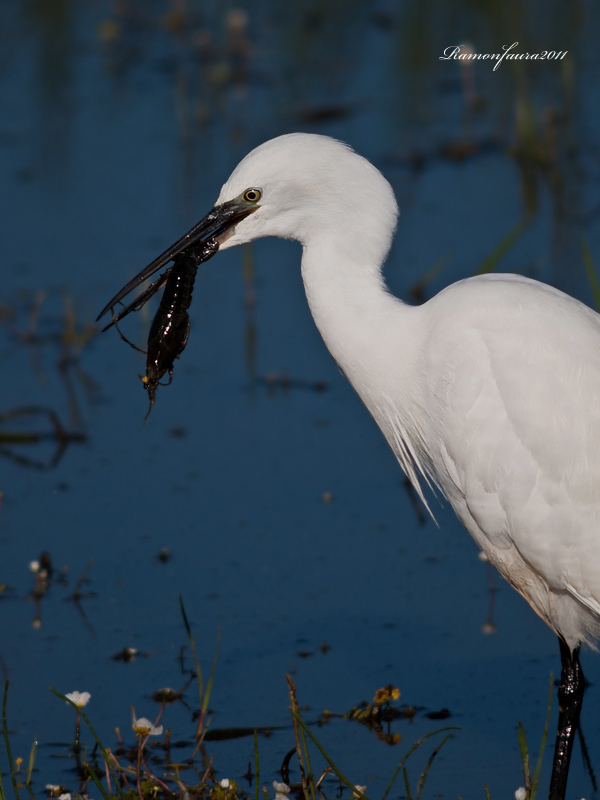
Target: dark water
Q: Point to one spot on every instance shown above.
(119, 125)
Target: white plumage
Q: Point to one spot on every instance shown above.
(490, 391)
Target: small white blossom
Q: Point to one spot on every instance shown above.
(80, 699)
(521, 793)
(483, 557)
(361, 789)
(224, 784)
(34, 566)
(281, 790)
(144, 727)
(65, 796)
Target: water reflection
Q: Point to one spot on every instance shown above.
(53, 25)
(11, 440)
(35, 435)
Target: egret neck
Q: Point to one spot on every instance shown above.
(354, 313)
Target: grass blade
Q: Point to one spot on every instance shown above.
(311, 780)
(256, 766)
(491, 262)
(211, 677)
(32, 755)
(96, 737)
(425, 772)
(407, 784)
(538, 766)
(415, 746)
(343, 778)
(326, 756)
(7, 743)
(2, 795)
(524, 756)
(193, 646)
(296, 717)
(591, 273)
(92, 773)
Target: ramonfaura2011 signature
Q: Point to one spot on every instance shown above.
(466, 54)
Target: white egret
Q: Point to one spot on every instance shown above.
(488, 393)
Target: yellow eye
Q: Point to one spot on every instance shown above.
(252, 195)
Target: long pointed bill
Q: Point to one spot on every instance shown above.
(214, 225)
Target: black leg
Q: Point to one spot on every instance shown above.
(570, 700)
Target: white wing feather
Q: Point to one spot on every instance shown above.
(517, 419)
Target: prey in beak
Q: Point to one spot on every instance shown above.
(170, 327)
(217, 225)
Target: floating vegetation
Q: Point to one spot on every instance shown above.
(147, 768)
(378, 715)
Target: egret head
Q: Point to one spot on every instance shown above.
(304, 186)
(299, 186)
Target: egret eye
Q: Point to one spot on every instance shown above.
(252, 195)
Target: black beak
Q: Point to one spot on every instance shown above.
(214, 225)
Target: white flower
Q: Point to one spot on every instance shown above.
(361, 789)
(80, 699)
(144, 727)
(521, 793)
(34, 566)
(224, 784)
(281, 790)
(483, 557)
(58, 791)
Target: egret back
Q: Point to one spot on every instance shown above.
(514, 417)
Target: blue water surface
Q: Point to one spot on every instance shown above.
(282, 516)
